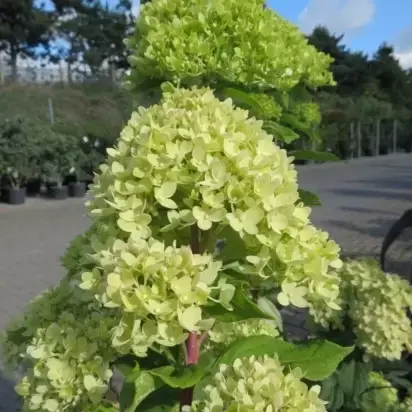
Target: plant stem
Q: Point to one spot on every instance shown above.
(192, 342)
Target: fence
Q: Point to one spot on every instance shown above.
(33, 72)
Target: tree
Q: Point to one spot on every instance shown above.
(350, 69)
(93, 33)
(23, 28)
(107, 27)
(391, 78)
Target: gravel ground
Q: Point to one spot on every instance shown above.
(360, 200)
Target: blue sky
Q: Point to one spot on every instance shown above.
(365, 23)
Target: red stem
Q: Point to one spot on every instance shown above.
(192, 341)
(192, 350)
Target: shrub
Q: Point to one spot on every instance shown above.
(374, 305)
(147, 291)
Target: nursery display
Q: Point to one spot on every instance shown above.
(18, 159)
(61, 156)
(200, 236)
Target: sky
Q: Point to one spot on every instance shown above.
(365, 23)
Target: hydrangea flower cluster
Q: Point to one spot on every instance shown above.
(269, 108)
(260, 385)
(223, 334)
(308, 112)
(381, 396)
(183, 40)
(39, 314)
(202, 161)
(160, 289)
(68, 368)
(376, 304)
(64, 341)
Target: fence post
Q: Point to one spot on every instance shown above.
(395, 135)
(352, 140)
(378, 137)
(359, 144)
(51, 112)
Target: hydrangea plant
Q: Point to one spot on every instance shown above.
(147, 291)
(374, 306)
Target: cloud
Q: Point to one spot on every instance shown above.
(340, 16)
(136, 8)
(403, 47)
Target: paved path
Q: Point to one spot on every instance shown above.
(361, 198)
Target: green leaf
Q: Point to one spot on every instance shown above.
(162, 400)
(185, 378)
(353, 379)
(269, 307)
(337, 400)
(280, 132)
(399, 381)
(234, 246)
(127, 365)
(314, 155)
(317, 359)
(332, 393)
(281, 98)
(244, 98)
(243, 308)
(309, 198)
(300, 93)
(136, 387)
(292, 121)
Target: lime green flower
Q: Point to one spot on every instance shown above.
(223, 334)
(269, 109)
(194, 159)
(260, 385)
(160, 289)
(381, 396)
(308, 112)
(69, 363)
(376, 304)
(183, 40)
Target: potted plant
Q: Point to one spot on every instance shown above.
(60, 154)
(14, 189)
(55, 189)
(33, 186)
(94, 152)
(75, 182)
(19, 157)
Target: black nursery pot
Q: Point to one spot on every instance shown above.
(77, 189)
(16, 196)
(33, 187)
(57, 192)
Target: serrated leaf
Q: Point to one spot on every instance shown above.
(290, 120)
(187, 377)
(280, 132)
(162, 400)
(400, 381)
(243, 98)
(317, 359)
(328, 388)
(243, 308)
(137, 387)
(127, 366)
(353, 379)
(314, 155)
(309, 198)
(337, 400)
